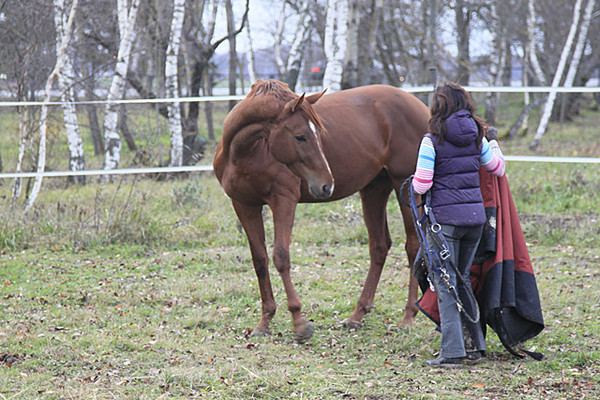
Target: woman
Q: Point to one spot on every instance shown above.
(448, 165)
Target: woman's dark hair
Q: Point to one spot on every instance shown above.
(448, 99)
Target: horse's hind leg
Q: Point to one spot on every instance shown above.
(252, 221)
(374, 199)
(412, 246)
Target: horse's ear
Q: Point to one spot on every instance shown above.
(294, 105)
(312, 99)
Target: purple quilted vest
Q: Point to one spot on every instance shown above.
(455, 194)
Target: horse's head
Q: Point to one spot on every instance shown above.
(295, 140)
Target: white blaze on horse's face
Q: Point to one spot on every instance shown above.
(313, 128)
(319, 191)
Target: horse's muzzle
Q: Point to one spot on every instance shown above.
(322, 192)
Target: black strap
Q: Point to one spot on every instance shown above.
(505, 338)
(437, 257)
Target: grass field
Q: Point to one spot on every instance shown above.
(143, 289)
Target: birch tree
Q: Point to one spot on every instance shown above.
(250, 59)
(60, 59)
(350, 68)
(233, 59)
(171, 72)
(66, 79)
(530, 62)
(499, 51)
(24, 143)
(296, 55)
(281, 22)
(112, 140)
(529, 46)
(532, 41)
(579, 47)
(336, 40)
(25, 132)
(557, 77)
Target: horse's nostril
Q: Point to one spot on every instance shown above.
(326, 190)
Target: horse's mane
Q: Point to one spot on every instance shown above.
(272, 87)
(282, 93)
(264, 103)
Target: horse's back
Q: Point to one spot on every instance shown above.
(371, 128)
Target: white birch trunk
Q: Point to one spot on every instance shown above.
(296, 56)
(112, 139)
(529, 60)
(280, 29)
(335, 43)
(350, 68)
(66, 79)
(557, 77)
(250, 60)
(60, 58)
(329, 39)
(122, 15)
(527, 49)
(24, 144)
(579, 47)
(498, 61)
(526, 95)
(173, 85)
(535, 63)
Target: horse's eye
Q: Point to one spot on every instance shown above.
(300, 139)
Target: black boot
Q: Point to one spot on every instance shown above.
(443, 362)
(474, 357)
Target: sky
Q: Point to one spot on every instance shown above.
(263, 16)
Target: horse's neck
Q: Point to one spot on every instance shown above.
(245, 140)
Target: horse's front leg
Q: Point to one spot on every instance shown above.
(284, 211)
(252, 221)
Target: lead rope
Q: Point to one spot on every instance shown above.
(436, 260)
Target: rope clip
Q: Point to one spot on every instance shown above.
(436, 228)
(444, 254)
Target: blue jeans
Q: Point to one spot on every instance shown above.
(459, 335)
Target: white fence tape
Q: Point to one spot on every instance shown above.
(209, 168)
(564, 160)
(411, 89)
(124, 101)
(204, 168)
(121, 171)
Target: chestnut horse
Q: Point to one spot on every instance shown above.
(280, 149)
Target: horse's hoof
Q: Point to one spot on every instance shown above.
(407, 321)
(351, 325)
(305, 334)
(261, 332)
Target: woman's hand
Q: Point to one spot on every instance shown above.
(491, 133)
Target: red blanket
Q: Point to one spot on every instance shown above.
(502, 278)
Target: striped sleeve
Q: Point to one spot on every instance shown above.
(423, 178)
(492, 159)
